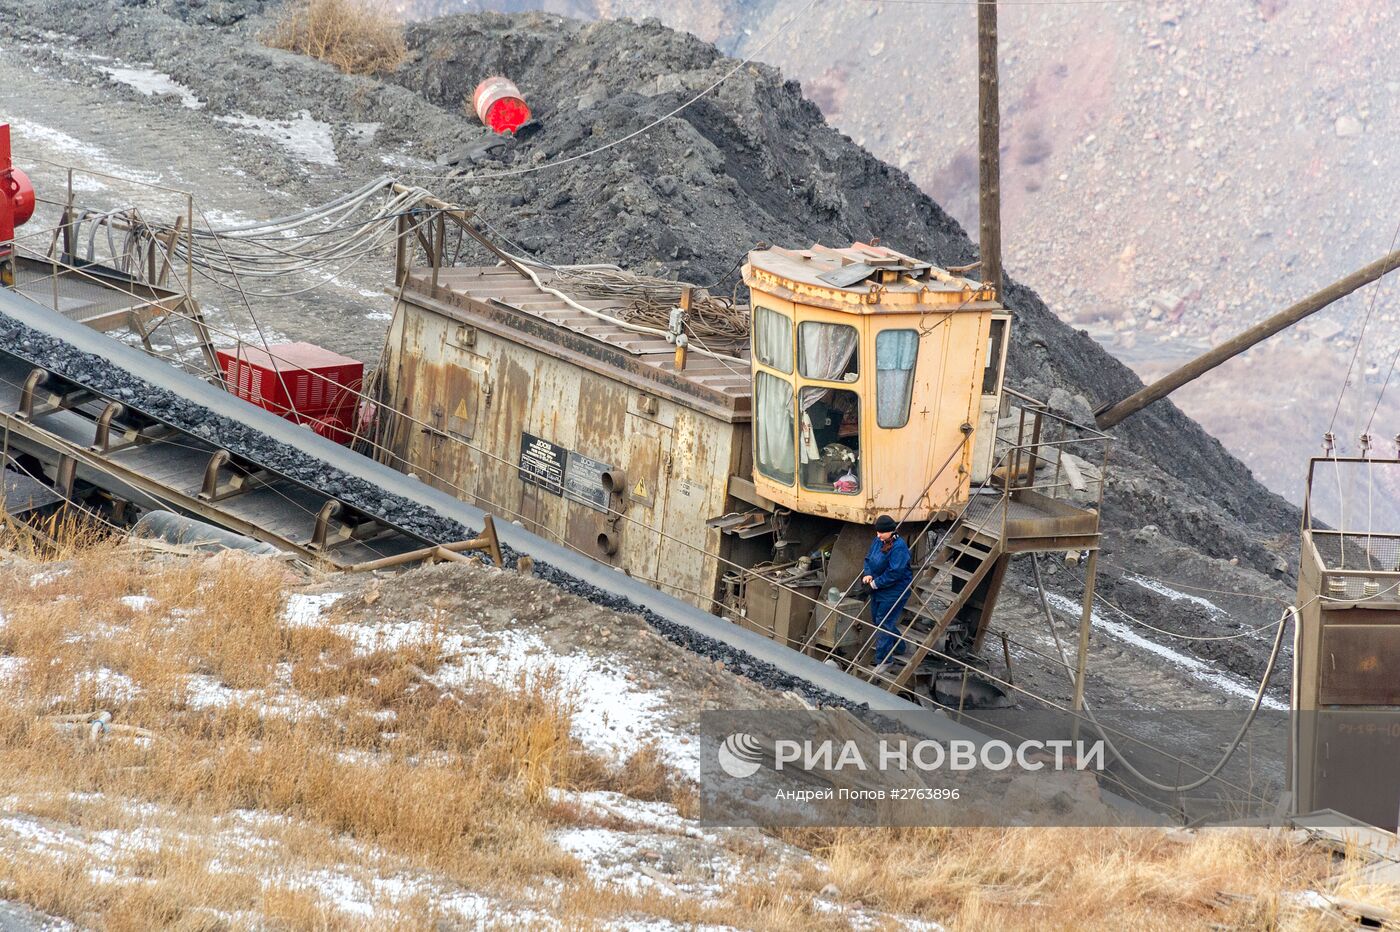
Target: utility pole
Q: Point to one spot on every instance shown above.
(989, 145)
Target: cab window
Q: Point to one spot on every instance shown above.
(774, 430)
(827, 351)
(895, 354)
(772, 339)
(829, 439)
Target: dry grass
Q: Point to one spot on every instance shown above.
(1075, 878)
(356, 36)
(330, 756)
(58, 537)
(313, 727)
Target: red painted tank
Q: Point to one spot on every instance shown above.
(499, 104)
(16, 192)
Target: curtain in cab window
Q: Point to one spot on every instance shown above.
(772, 339)
(774, 430)
(895, 352)
(825, 351)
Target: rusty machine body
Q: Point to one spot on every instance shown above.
(745, 476)
(1346, 661)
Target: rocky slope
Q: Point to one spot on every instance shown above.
(752, 161)
(1173, 171)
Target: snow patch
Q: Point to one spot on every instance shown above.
(304, 611)
(1153, 585)
(205, 692)
(220, 219)
(303, 137)
(1198, 668)
(36, 837)
(661, 817)
(138, 603)
(108, 684)
(363, 898)
(83, 153)
(391, 635)
(47, 576)
(38, 132)
(610, 714)
(607, 856)
(11, 667)
(152, 83)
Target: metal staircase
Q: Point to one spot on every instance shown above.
(1042, 499)
(959, 584)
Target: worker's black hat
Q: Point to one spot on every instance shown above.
(884, 524)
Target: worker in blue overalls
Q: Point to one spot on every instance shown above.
(888, 575)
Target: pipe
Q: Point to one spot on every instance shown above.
(178, 529)
(447, 553)
(1114, 413)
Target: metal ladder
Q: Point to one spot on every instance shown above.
(945, 587)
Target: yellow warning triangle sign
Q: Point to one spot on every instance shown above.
(461, 408)
(640, 489)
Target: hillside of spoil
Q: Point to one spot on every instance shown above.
(1172, 171)
(755, 160)
(751, 161)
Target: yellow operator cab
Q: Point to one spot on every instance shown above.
(873, 373)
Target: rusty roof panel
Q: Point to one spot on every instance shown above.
(633, 354)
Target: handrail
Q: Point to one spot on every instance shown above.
(1043, 408)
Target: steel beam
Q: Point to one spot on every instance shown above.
(1114, 413)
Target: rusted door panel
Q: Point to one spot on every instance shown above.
(695, 491)
(649, 449)
(462, 401)
(1360, 665)
(648, 444)
(459, 458)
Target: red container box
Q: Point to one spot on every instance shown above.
(299, 381)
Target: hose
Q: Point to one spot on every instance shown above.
(1127, 765)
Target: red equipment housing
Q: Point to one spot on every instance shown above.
(302, 382)
(500, 105)
(16, 196)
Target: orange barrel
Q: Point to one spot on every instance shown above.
(499, 105)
